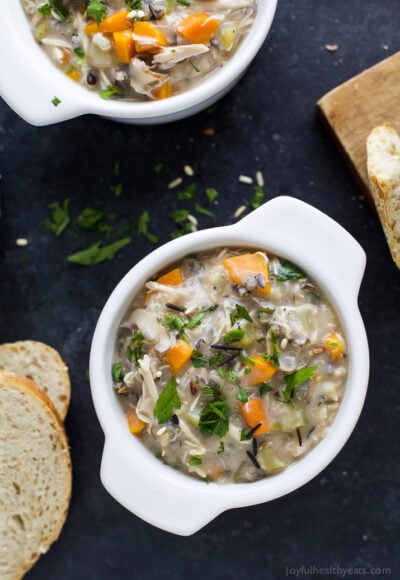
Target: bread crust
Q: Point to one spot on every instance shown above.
(37, 348)
(32, 390)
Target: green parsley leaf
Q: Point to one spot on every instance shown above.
(244, 435)
(117, 189)
(134, 4)
(242, 395)
(172, 323)
(203, 210)
(234, 335)
(110, 91)
(179, 215)
(142, 226)
(264, 388)
(295, 380)
(158, 168)
(45, 9)
(196, 460)
(231, 376)
(287, 271)
(221, 448)
(257, 198)
(241, 313)
(274, 357)
(212, 194)
(198, 359)
(186, 229)
(56, 101)
(89, 218)
(215, 358)
(196, 320)
(97, 253)
(134, 348)
(183, 2)
(117, 372)
(187, 193)
(80, 56)
(167, 402)
(96, 10)
(221, 373)
(214, 418)
(59, 218)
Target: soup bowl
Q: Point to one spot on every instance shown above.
(177, 502)
(29, 80)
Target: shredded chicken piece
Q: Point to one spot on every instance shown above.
(148, 399)
(143, 79)
(169, 56)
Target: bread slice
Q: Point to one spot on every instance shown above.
(43, 365)
(383, 164)
(35, 474)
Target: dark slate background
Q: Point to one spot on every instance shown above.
(349, 515)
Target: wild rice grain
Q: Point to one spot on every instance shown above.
(175, 183)
(245, 179)
(260, 179)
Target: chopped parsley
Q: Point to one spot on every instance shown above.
(60, 217)
(97, 253)
(198, 359)
(196, 460)
(274, 357)
(134, 348)
(264, 388)
(234, 335)
(244, 435)
(117, 372)
(242, 395)
(241, 313)
(214, 418)
(89, 218)
(203, 210)
(109, 92)
(295, 380)
(179, 215)
(96, 10)
(117, 189)
(183, 2)
(187, 193)
(167, 402)
(56, 101)
(287, 271)
(142, 226)
(257, 198)
(45, 9)
(212, 194)
(56, 6)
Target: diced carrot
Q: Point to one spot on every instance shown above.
(199, 28)
(334, 345)
(73, 73)
(153, 38)
(116, 22)
(260, 372)
(135, 424)
(178, 355)
(253, 413)
(62, 57)
(124, 46)
(166, 90)
(172, 278)
(251, 268)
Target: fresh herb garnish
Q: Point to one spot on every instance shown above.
(56, 101)
(57, 7)
(187, 193)
(234, 335)
(214, 418)
(264, 388)
(274, 357)
(167, 402)
(241, 313)
(287, 271)
(196, 460)
(242, 395)
(80, 55)
(134, 4)
(257, 198)
(96, 10)
(45, 9)
(179, 215)
(109, 92)
(134, 348)
(231, 376)
(203, 210)
(172, 323)
(196, 320)
(295, 380)
(117, 189)
(142, 226)
(221, 448)
(97, 253)
(215, 358)
(211, 193)
(183, 2)
(89, 218)
(59, 218)
(198, 359)
(117, 372)
(244, 435)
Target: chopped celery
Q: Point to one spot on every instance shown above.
(268, 460)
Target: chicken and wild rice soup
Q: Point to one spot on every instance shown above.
(230, 366)
(139, 49)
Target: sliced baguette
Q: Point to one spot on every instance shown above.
(383, 164)
(35, 474)
(43, 365)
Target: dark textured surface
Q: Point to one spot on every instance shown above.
(349, 515)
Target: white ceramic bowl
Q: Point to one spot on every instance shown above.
(177, 502)
(29, 81)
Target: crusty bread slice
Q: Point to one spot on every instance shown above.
(43, 365)
(35, 474)
(383, 164)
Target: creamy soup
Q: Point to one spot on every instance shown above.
(231, 365)
(139, 50)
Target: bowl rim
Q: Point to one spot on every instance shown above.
(344, 300)
(22, 53)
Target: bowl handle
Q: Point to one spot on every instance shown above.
(335, 252)
(31, 93)
(169, 505)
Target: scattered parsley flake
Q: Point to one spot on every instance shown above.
(89, 218)
(117, 372)
(264, 388)
(167, 402)
(203, 210)
(97, 253)
(242, 395)
(257, 198)
(214, 418)
(234, 335)
(96, 10)
(109, 92)
(56, 101)
(295, 380)
(196, 460)
(60, 217)
(142, 226)
(211, 194)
